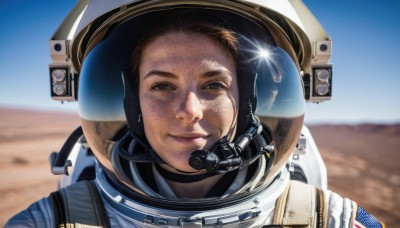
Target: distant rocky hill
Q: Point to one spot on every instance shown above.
(384, 129)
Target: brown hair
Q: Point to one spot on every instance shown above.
(185, 22)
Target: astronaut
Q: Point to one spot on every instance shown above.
(192, 110)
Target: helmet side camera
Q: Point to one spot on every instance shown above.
(62, 83)
(63, 86)
(318, 84)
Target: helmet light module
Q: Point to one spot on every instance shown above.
(62, 80)
(318, 84)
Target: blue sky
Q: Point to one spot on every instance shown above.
(366, 54)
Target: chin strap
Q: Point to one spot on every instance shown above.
(225, 156)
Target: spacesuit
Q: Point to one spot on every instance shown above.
(281, 56)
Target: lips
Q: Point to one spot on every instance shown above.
(193, 138)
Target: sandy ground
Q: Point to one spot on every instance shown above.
(363, 165)
(26, 140)
(362, 161)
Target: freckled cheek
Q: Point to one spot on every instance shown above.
(153, 114)
(223, 114)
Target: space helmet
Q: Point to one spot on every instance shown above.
(277, 42)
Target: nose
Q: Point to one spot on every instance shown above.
(190, 109)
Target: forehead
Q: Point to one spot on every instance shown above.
(179, 47)
(181, 43)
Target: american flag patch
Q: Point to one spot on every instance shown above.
(364, 219)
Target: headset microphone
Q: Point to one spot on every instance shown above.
(223, 155)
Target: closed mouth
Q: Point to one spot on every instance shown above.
(190, 137)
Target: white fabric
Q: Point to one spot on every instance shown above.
(340, 210)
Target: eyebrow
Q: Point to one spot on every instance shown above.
(160, 73)
(213, 73)
(208, 74)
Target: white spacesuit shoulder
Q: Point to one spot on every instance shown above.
(305, 205)
(344, 212)
(341, 210)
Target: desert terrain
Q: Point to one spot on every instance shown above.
(362, 161)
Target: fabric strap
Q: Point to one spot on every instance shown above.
(300, 205)
(79, 205)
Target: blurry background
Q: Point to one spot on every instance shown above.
(357, 131)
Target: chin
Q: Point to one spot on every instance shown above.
(179, 161)
(184, 167)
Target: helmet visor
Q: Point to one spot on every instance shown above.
(268, 80)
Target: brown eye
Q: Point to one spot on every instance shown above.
(161, 86)
(215, 85)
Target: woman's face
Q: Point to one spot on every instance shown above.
(188, 95)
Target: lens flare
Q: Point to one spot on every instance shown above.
(264, 53)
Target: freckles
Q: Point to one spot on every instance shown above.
(153, 116)
(154, 111)
(223, 105)
(222, 111)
